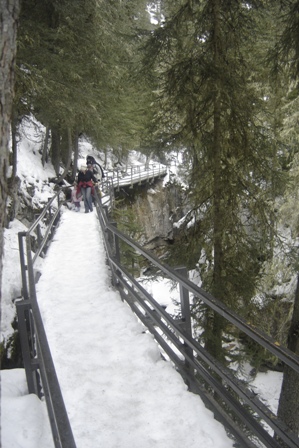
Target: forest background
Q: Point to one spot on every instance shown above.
(216, 80)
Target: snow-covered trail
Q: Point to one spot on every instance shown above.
(118, 391)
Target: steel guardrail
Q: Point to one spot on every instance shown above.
(38, 363)
(118, 178)
(174, 337)
(200, 360)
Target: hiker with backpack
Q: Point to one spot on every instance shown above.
(91, 162)
(86, 181)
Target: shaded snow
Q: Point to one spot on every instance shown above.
(141, 400)
(117, 389)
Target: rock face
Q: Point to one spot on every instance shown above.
(155, 209)
(154, 216)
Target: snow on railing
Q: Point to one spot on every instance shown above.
(136, 174)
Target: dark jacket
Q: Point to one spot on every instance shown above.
(81, 175)
(85, 179)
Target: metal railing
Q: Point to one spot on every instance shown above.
(117, 178)
(239, 409)
(236, 406)
(39, 367)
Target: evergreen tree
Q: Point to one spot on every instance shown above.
(286, 56)
(75, 64)
(288, 410)
(210, 104)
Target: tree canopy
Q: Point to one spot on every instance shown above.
(75, 67)
(215, 79)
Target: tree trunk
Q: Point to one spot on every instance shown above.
(45, 146)
(106, 155)
(55, 149)
(76, 154)
(69, 156)
(148, 159)
(214, 344)
(14, 127)
(9, 11)
(288, 408)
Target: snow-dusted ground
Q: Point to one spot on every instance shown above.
(139, 399)
(117, 389)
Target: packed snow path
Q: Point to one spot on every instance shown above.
(118, 391)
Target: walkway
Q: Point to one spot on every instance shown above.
(118, 391)
(136, 175)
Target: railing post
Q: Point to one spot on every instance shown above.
(39, 234)
(116, 251)
(116, 243)
(111, 191)
(106, 210)
(23, 314)
(117, 179)
(21, 235)
(186, 317)
(50, 210)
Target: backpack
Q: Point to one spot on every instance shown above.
(91, 160)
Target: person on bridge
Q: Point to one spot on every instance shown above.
(90, 167)
(76, 197)
(86, 181)
(99, 172)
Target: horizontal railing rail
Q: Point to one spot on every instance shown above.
(118, 178)
(39, 367)
(191, 359)
(241, 411)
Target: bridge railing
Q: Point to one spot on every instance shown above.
(237, 406)
(39, 368)
(40, 371)
(137, 174)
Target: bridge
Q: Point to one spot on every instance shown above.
(117, 179)
(136, 174)
(55, 309)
